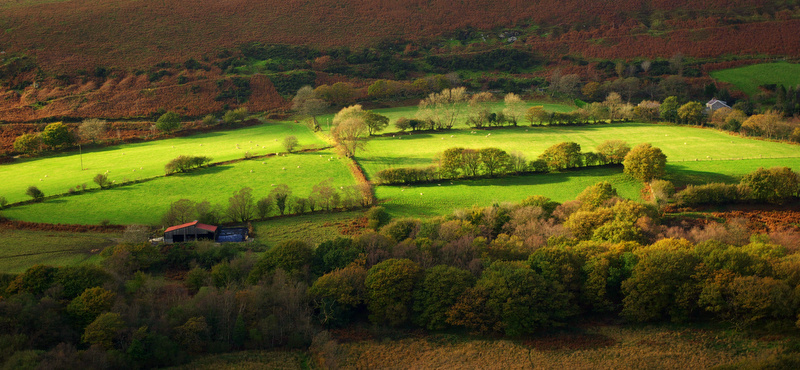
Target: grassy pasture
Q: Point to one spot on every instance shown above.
(679, 143)
(748, 78)
(310, 228)
(20, 249)
(444, 197)
(56, 173)
(145, 203)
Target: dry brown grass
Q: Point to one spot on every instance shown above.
(249, 360)
(601, 347)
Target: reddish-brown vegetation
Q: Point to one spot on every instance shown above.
(86, 33)
(23, 225)
(130, 96)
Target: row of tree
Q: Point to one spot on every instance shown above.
(244, 206)
(644, 162)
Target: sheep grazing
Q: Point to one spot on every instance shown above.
(251, 171)
(283, 168)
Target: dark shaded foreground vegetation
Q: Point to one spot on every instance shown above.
(512, 270)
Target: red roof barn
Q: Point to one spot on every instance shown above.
(189, 232)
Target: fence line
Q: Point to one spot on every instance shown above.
(726, 159)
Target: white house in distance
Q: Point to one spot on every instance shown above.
(715, 104)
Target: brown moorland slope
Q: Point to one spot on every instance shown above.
(52, 51)
(70, 34)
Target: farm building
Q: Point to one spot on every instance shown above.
(715, 104)
(193, 231)
(190, 232)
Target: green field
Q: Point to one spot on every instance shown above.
(55, 174)
(749, 78)
(679, 143)
(443, 197)
(20, 249)
(146, 202)
(310, 228)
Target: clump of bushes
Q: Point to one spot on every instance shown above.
(774, 185)
(34, 193)
(184, 163)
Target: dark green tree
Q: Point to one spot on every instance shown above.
(439, 290)
(390, 287)
(169, 122)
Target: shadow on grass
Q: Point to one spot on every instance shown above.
(681, 176)
(388, 161)
(207, 171)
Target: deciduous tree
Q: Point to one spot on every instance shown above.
(168, 122)
(57, 135)
(280, 194)
(439, 290)
(645, 162)
(443, 108)
(562, 155)
(390, 288)
(515, 108)
(92, 129)
(613, 151)
(241, 206)
(28, 143)
(691, 113)
(307, 103)
(290, 143)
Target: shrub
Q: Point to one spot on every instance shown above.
(168, 122)
(401, 229)
(3, 202)
(34, 193)
(209, 120)
(377, 217)
(774, 185)
(236, 115)
(264, 207)
(407, 175)
(290, 143)
(547, 205)
(402, 124)
(662, 190)
(712, 194)
(102, 180)
(28, 143)
(183, 163)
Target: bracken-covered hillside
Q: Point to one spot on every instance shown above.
(136, 33)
